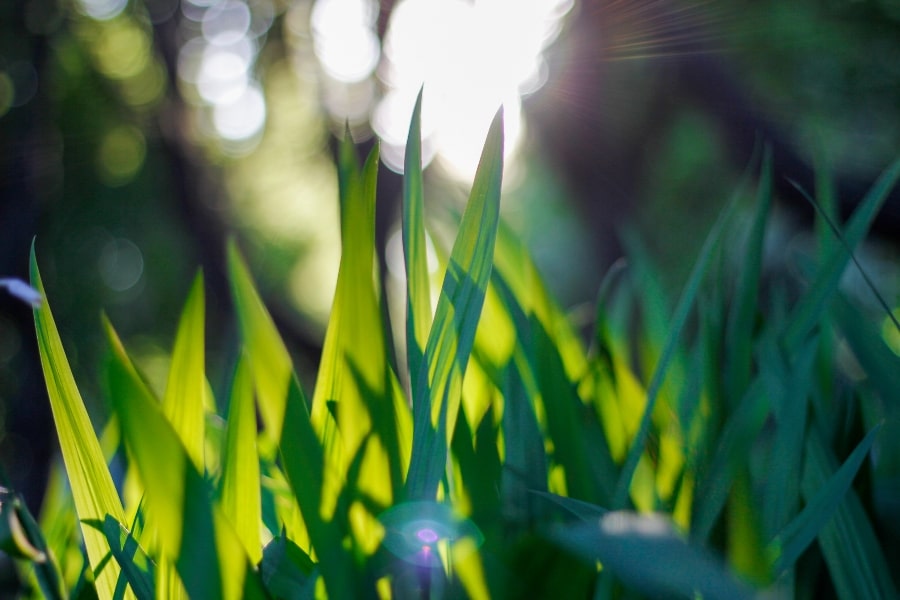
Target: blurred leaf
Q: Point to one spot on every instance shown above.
(647, 554)
(183, 402)
(436, 390)
(238, 492)
(21, 537)
(89, 478)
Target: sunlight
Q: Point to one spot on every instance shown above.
(471, 57)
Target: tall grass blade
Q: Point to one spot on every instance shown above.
(418, 288)
(268, 356)
(354, 377)
(796, 536)
(89, 478)
(677, 323)
(648, 555)
(809, 310)
(238, 491)
(304, 463)
(137, 568)
(437, 388)
(183, 402)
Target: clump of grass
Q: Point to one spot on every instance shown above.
(711, 451)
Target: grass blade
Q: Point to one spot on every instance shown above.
(205, 550)
(89, 478)
(183, 402)
(418, 287)
(437, 388)
(647, 554)
(269, 360)
(797, 535)
(238, 491)
(677, 323)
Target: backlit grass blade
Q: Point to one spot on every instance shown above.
(436, 389)
(206, 552)
(92, 486)
(137, 568)
(269, 359)
(676, 325)
(418, 288)
(809, 310)
(304, 463)
(354, 375)
(647, 554)
(183, 402)
(796, 536)
(238, 491)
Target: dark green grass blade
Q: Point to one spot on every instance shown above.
(137, 568)
(797, 535)
(238, 492)
(856, 562)
(287, 571)
(585, 511)
(21, 537)
(790, 389)
(437, 388)
(677, 323)
(205, 550)
(418, 288)
(740, 325)
(647, 554)
(183, 402)
(304, 462)
(814, 303)
(92, 486)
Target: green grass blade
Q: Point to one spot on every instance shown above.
(137, 567)
(183, 402)
(269, 359)
(418, 287)
(353, 391)
(92, 486)
(676, 325)
(21, 537)
(739, 330)
(304, 465)
(797, 535)
(206, 552)
(238, 491)
(648, 555)
(810, 309)
(437, 388)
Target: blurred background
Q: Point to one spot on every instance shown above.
(137, 136)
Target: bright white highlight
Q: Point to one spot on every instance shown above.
(344, 38)
(472, 57)
(243, 118)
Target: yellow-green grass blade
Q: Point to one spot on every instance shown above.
(353, 391)
(808, 312)
(436, 390)
(269, 359)
(676, 325)
(239, 487)
(183, 402)
(89, 478)
(418, 288)
(192, 534)
(647, 553)
(825, 489)
(304, 464)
